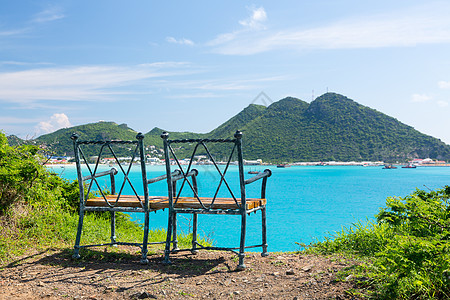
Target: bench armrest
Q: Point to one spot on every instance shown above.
(176, 175)
(162, 177)
(192, 173)
(113, 171)
(263, 175)
(266, 173)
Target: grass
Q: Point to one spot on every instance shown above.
(39, 227)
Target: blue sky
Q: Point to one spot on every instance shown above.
(191, 65)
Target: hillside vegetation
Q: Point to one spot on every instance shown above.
(330, 128)
(333, 127)
(405, 254)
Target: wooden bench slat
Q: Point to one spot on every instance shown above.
(219, 203)
(124, 201)
(159, 202)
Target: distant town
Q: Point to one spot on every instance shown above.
(155, 158)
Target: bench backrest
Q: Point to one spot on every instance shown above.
(88, 168)
(203, 146)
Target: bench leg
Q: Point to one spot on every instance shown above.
(144, 259)
(194, 234)
(168, 239)
(241, 265)
(113, 227)
(264, 252)
(76, 248)
(174, 234)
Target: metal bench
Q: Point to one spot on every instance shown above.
(95, 197)
(236, 203)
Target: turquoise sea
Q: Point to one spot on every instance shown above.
(304, 203)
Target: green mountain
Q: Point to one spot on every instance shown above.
(153, 137)
(332, 127)
(15, 140)
(247, 115)
(59, 142)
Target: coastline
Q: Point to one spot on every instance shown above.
(332, 163)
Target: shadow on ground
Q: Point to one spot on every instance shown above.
(183, 263)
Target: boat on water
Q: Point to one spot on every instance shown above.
(409, 166)
(283, 166)
(253, 172)
(389, 166)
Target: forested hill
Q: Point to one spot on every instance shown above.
(60, 142)
(240, 120)
(332, 127)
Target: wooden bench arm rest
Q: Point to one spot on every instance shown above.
(113, 171)
(266, 173)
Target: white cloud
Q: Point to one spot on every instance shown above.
(15, 120)
(444, 84)
(256, 20)
(88, 83)
(196, 96)
(13, 32)
(50, 87)
(48, 15)
(414, 26)
(34, 88)
(182, 41)
(56, 121)
(166, 64)
(222, 84)
(223, 39)
(252, 24)
(21, 63)
(420, 98)
(441, 103)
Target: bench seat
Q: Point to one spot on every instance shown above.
(125, 201)
(219, 203)
(160, 202)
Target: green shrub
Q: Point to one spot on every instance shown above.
(406, 253)
(19, 169)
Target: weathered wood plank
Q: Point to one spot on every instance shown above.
(160, 202)
(219, 203)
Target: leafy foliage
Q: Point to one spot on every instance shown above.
(408, 248)
(19, 170)
(32, 200)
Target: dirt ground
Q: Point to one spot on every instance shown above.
(53, 274)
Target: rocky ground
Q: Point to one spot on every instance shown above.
(52, 274)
